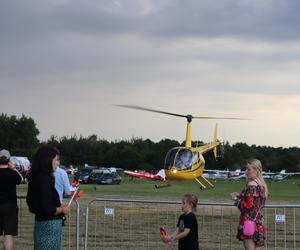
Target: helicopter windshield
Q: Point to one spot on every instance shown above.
(170, 157)
(182, 158)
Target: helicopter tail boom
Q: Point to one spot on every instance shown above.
(212, 145)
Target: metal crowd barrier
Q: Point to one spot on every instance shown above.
(134, 224)
(70, 235)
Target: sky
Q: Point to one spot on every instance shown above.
(65, 63)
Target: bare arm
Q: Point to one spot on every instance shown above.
(234, 196)
(179, 235)
(62, 210)
(13, 167)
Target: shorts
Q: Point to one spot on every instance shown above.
(9, 219)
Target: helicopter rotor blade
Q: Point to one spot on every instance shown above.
(189, 117)
(223, 118)
(150, 110)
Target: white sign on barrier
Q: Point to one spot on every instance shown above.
(280, 218)
(109, 211)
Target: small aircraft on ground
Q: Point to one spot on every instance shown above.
(215, 174)
(186, 163)
(160, 176)
(274, 176)
(279, 176)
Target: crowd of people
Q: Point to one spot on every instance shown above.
(49, 184)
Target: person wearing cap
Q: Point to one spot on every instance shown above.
(9, 178)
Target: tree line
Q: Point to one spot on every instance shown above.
(20, 136)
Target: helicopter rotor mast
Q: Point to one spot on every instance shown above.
(188, 135)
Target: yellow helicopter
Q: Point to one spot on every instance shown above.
(186, 163)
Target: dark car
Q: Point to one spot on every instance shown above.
(84, 175)
(107, 178)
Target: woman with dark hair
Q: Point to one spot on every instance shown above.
(43, 200)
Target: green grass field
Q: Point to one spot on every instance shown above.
(286, 191)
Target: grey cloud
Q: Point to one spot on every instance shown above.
(111, 42)
(257, 20)
(270, 20)
(129, 63)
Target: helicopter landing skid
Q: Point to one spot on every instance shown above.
(202, 186)
(164, 184)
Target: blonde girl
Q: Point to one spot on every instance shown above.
(250, 202)
(187, 227)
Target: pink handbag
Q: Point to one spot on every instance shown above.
(249, 226)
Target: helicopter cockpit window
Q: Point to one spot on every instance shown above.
(170, 157)
(196, 158)
(184, 159)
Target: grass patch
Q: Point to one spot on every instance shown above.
(286, 191)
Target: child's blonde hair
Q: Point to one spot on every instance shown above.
(192, 200)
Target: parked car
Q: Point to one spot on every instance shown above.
(106, 178)
(84, 175)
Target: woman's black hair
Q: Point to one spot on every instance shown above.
(42, 162)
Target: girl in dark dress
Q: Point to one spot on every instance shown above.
(187, 227)
(250, 202)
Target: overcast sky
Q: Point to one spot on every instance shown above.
(65, 62)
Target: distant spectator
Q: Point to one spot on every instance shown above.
(43, 200)
(9, 178)
(62, 184)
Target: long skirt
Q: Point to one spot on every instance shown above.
(47, 235)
